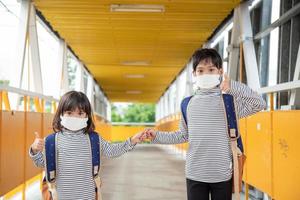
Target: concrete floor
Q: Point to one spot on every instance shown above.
(150, 172)
(147, 173)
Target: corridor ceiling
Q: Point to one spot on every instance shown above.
(134, 56)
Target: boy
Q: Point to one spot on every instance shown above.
(209, 157)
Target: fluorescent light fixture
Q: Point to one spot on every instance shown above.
(134, 76)
(136, 8)
(133, 92)
(136, 63)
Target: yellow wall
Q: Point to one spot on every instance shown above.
(171, 123)
(121, 133)
(271, 142)
(102, 127)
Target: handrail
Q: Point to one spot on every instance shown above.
(133, 123)
(280, 87)
(26, 92)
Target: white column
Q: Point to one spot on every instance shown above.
(35, 54)
(21, 42)
(62, 62)
(189, 81)
(108, 111)
(248, 47)
(79, 78)
(90, 90)
(233, 48)
(166, 102)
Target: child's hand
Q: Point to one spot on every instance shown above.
(225, 85)
(38, 144)
(150, 134)
(137, 138)
(140, 137)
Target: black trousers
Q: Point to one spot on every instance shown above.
(200, 191)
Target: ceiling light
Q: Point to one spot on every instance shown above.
(136, 8)
(134, 76)
(136, 63)
(134, 92)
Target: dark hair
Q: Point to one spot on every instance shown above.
(206, 55)
(69, 102)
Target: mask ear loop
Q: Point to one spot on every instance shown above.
(221, 80)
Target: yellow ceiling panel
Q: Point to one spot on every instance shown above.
(134, 56)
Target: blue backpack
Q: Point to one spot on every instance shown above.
(230, 114)
(50, 155)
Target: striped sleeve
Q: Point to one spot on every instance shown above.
(38, 158)
(248, 102)
(176, 137)
(110, 150)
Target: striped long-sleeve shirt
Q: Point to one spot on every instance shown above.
(74, 178)
(209, 157)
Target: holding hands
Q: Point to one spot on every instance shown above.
(147, 134)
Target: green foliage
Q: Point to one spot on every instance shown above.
(134, 113)
(115, 116)
(4, 82)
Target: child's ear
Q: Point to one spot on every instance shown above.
(221, 71)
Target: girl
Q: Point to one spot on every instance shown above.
(72, 122)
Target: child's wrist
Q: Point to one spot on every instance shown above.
(33, 151)
(132, 141)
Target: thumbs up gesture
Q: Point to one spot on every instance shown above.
(225, 85)
(38, 144)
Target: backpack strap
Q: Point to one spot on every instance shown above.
(184, 104)
(232, 120)
(50, 157)
(95, 149)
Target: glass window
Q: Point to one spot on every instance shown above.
(9, 21)
(289, 37)
(72, 65)
(49, 58)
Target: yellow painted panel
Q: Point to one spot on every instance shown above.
(11, 150)
(243, 132)
(259, 151)
(170, 126)
(185, 146)
(286, 151)
(102, 128)
(121, 133)
(47, 124)
(33, 123)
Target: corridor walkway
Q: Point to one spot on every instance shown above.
(150, 172)
(147, 173)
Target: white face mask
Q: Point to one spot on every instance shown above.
(73, 123)
(207, 81)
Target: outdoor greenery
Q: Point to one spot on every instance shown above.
(133, 113)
